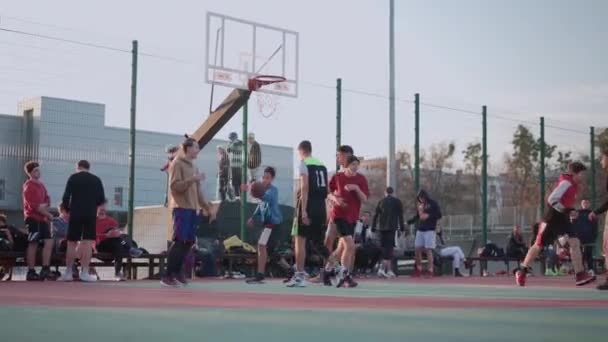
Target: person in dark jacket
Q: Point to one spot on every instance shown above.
(389, 217)
(223, 172)
(586, 231)
(516, 246)
(599, 211)
(254, 160)
(427, 217)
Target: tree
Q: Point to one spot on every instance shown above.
(439, 160)
(524, 165)
(563, 160)
(473, 159)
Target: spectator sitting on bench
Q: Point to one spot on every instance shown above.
(110, 239)
(367, 251)
(516, 246)
(450, 251)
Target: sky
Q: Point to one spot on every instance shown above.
(522, 59)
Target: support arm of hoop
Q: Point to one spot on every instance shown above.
(220, 116)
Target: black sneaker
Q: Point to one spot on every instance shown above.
(33, 276)
(46, 274)
(258, 279)
(349, 281)
(326, 276)
(457, 274)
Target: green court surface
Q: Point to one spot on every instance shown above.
(91, 316)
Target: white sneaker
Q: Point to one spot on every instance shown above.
(297, 281)
(382, 274)
(391, 274)
(87, 278)
(66, 276)
(120, 277)
(238, 275)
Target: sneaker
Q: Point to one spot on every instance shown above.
(382, 274)
(258, 279)
(181, 280)
(167, 281)
(297, 281)
(33, 276)
(119, 277)
(46, 274)
(457, 274)
(584, 278)
(429, 274)
(327, 277)
(391, 275)
(135, 252)
(290, 274)
(417, 274)
(68, 276)
(520, 276)
(603, 286)
(349, 282)
(87, 277)
(343, 277)
(238, 275)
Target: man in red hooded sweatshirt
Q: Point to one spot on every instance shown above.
(557, 222)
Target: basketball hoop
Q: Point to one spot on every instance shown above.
(259, 81)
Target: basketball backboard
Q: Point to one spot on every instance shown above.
(237, 50)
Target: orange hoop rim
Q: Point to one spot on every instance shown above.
(259, 81)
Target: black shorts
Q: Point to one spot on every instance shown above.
(315, 230)
(344, 228)
(38, 230)
(556, 225)
(387, 242)
(81, 228)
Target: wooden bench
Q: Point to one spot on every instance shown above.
(151, 261)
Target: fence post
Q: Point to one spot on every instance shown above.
(484, 174)
(417, 142)
(132, 133)
(542, 178)
(338, 116)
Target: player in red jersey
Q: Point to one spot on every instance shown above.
(557, 222)
(347, 190)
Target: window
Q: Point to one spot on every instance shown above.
(2, 189)
(118, 196)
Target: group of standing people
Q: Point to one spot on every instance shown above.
(230, 165)
(82, 196)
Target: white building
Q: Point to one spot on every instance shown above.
(58, 133)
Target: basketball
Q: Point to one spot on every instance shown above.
(258, 189)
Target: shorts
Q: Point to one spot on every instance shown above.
(387, 242)
(315, 231)
(344, 228)
(425, 239)
(81, 228)
(268, 237)
(37, 230)
(555, 225)
(184, 225)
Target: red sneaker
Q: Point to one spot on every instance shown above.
(417, 274)
(584, 278)
(520, 277)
